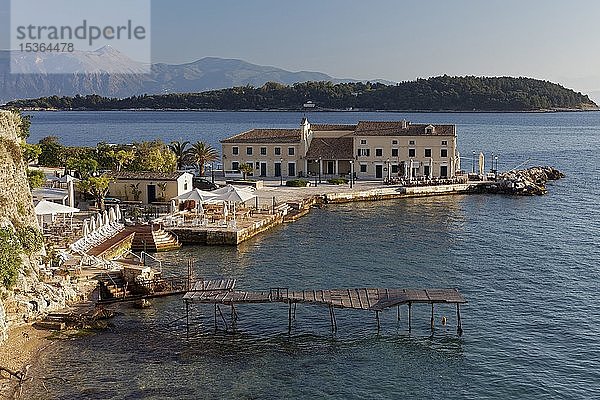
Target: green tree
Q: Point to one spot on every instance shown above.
(153, 156)
(52, 152)
(202, 154)
(123, 158)
(36, 178)
(31, 152)
(10, 257)
(246, 169)
(97, 187)
(84, 168)
(181, 152)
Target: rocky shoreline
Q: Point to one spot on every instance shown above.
(525, 182)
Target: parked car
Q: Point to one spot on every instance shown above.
(204, 184)
(111, 200)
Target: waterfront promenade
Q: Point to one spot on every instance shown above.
(276, 204)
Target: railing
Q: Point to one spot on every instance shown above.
(144, 256)
(276, 293)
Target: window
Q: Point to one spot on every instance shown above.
(412, 152)
(427, 152)
(292, 169)
(363, 167)
(394, 168)
(263, 151)
(185, 185)
(235, 166)
(278, 169)
(394, 152)
(429, 130)
(394, 142)
(444, 143)
(277, 151)
(444, 153)
(378, 152)
(364, 152)
(411, 142)
(363, 141)
(249, 151)
(291, 153)
(235, 150)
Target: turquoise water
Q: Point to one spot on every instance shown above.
(527, 265)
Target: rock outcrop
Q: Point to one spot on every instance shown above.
(29, 297)
(531, 181)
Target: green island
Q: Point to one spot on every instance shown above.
(442, 93)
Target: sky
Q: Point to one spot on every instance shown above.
(394, 40)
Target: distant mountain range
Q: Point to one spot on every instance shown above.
(93, 75)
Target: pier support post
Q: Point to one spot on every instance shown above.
(378, 323)
(233, 317)
(398, 313)
(187, 318)
(333, 321)
(409, 316)
(290, 318)
(459, 330)
(431, 317)
(294, 312)
(216, 317)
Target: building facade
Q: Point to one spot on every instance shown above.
(369, 149)
(149, 187)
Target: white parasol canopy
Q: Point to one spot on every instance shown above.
(233, 194)
(197, 195)
(112, 216)
(46, 207)
(99, 220)
(118, 212)
(86, 228)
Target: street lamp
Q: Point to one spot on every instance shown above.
(280, 172)
(492, 160)
(319, 169)
(212, 172)
(388, 169)
(351, 173)
(496, 170)
(473, 161)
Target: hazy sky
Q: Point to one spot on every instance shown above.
(389, 39)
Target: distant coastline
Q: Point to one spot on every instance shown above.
(439, 94)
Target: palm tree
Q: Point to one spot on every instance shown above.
(202, 154)
(180, 151)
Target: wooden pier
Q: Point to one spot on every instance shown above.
(223, 292)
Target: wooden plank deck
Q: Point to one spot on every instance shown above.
(374, 299)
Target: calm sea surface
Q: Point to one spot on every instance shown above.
(529, 267)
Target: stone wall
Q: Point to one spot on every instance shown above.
(30, 297)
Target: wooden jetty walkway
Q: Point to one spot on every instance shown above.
(222, 292)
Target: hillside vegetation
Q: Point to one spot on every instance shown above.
(442, 93)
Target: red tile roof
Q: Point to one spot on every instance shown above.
(266, 136)
(146, 175)
(331, 149)
(332, 127)
(401, 128)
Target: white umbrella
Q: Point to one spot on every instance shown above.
(99, 221)
(197, 195)
(86, 228)
(118, 212)
(111, 215)
(46, 207)
(106, 218)
(234, 194)
(92, 224)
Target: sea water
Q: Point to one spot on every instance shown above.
(528, 266)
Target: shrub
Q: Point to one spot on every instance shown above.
(338, 181)
(10, 257)
(36, 178)
(31, 239)
(297, 183)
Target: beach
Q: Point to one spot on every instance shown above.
(21, 349)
